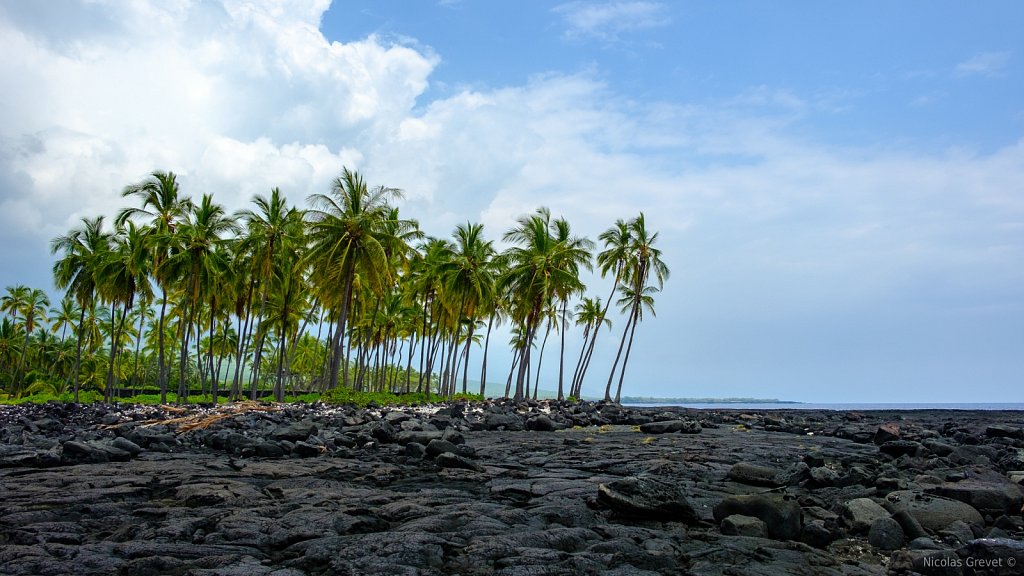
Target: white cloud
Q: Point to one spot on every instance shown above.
(983, 64)
(608, 20)
(236, 98)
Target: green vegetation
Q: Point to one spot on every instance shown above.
(175, 300)
(341, 396)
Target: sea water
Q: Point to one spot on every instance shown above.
(840, 407)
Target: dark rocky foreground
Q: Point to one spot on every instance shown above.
(526, 489)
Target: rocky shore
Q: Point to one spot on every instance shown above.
(512, 489)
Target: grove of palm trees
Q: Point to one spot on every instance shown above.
(177, 297)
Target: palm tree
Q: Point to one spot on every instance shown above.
(539, 269)
(643, 259)
(575, 252)
(590, 315)
(29, 304)
(270, 229)
(197, 261)
(62, 316)
(123, 274)
(83, 249)
(165, 208)
(469, 278)
(613, 258)
(346, 240)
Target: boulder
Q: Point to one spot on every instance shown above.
(995, 556)
(782, 516)
(1004, 431)
(860, 513)
(886, 534)
(295, 431)
(646, 498)
(449, 460)
(740, 525)
(498, 421)
(662, 427)
(541, 423)
(438, 446)
(899, 448)
(824, 476)
(988, 497)
(934, 513)
(418, 436)
(753, 474)
(886, 433)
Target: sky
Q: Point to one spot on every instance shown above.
(838, 188)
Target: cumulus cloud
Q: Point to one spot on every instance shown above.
(237, 97)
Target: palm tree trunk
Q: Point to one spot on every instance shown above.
(213, 372)
(78, 350)
(108, 394)
(243, 342)
(465, 368)
(161, 368)
(632, 330)
(138, 346)
(483, 365)
(622, 343)
(579, 362)
(511, 371)
(540, 359)
(340, 329)
(279, 384)
(561, 352)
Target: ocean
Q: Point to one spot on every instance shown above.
(842, 407)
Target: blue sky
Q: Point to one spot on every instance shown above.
(839, 188)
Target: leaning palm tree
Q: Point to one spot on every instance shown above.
(346, 239)
(83, 249)
(164, 207)
(643, 259)
(589, 314)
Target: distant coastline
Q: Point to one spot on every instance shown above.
(670, 401)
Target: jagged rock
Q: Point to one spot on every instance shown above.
(886, 433)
